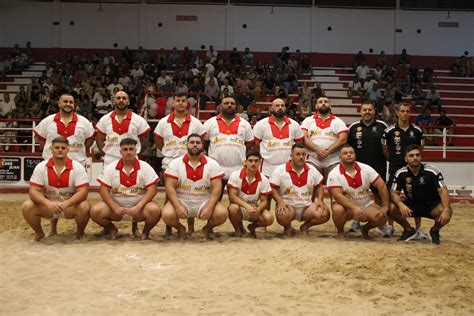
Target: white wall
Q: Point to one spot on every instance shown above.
(298, 28)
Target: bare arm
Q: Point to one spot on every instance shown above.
(236, 199)
(100, 140)
(386, 152)
(444, 194)
(216, 189)
(78, 197)
(341, 140)
(396, 199)
(170, 188)
(383, 193)
(158, 142)
(144, 142)
(308, 143)
(36, 195)
(342, 200)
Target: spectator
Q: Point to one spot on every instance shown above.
(174, 59)
(358, 60)
(7, 105)
(211, 54)
(425, 122)
(244, 97)
(418, 97)
(291, 81)
(433, 98)
(137, 71)
(141, 55)
(181, 88)
(211, 93)
(257, 90)
(305, 93)
(226, 85)
(317, 91)
(234, 58)
(241, 112)
(305, 65)
(163, 78)
(115, 84)
(374, 96)
(443, 121)
(103, 107)
(355, 88)
(284, 56)
(362, 70)
(404, 59)
(382, 62)
(247, 59)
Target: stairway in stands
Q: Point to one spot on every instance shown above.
(11, 83)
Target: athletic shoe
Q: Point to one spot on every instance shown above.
(408, 235)
(385, 230)
(420, 234)
(435, 236)
(355, 226)
(391, 230)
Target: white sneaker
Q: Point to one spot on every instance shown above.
(355, 226)
(420, 235)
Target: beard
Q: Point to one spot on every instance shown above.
(324, 110)
(230, 112)
(194, 152)
(279, 114)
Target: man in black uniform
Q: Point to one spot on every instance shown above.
(394, 141)
(425, 192)
(364, 136)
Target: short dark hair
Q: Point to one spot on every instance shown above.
(60, 140)
(229, 96)
(347, 145)
(297, 145)
(128, 141)
(179, 95)
(253, 153)
(193, 135)
(412, 147)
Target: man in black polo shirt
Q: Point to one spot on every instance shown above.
(426, 195)
(364, 136)
(394, 141)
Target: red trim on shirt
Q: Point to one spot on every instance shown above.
(282, 133)
(298, 180)
(104, 184)
(36, 184)
(131, 179)
(176, 129)
(275, 186)
(323, 123)
(333, 187)
(352, 182)
(121, 128)
(378, 176)
(39, 135)
(85, 184)
(152, 183)
(170, 176)
(231, 129)
(61, 181)
(195, 174)
(218, 176)
(63, 130)
(249, 188)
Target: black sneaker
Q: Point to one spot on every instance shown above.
(408, 235)
(434, 234)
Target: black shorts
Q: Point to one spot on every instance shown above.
(422, 210)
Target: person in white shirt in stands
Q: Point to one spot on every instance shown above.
(349, 184)
(7, 105)
(58, 187)
(295, 185)
(275, 135)
(248, 194)
(193, 187)
(127, 189)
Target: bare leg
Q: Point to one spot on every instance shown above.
(82, 218)
(151, 214)
(235, 216)
(340, 216)
(135, 231)
(218, 217)
(190, 226)
(172, 220)
(33, 219)
(53, 227)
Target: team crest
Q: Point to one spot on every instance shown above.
(359, 128)
(374, 129)
(412, 134)
(397, 134)
(422, 180)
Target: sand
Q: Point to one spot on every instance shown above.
(313, 274)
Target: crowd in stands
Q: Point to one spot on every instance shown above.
(93, 81)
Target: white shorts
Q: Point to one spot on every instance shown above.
(330, 160)
(299, 212)
(194, 209)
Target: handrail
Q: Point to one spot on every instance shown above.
(3, 136)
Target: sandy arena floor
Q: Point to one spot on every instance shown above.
(227, 276)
